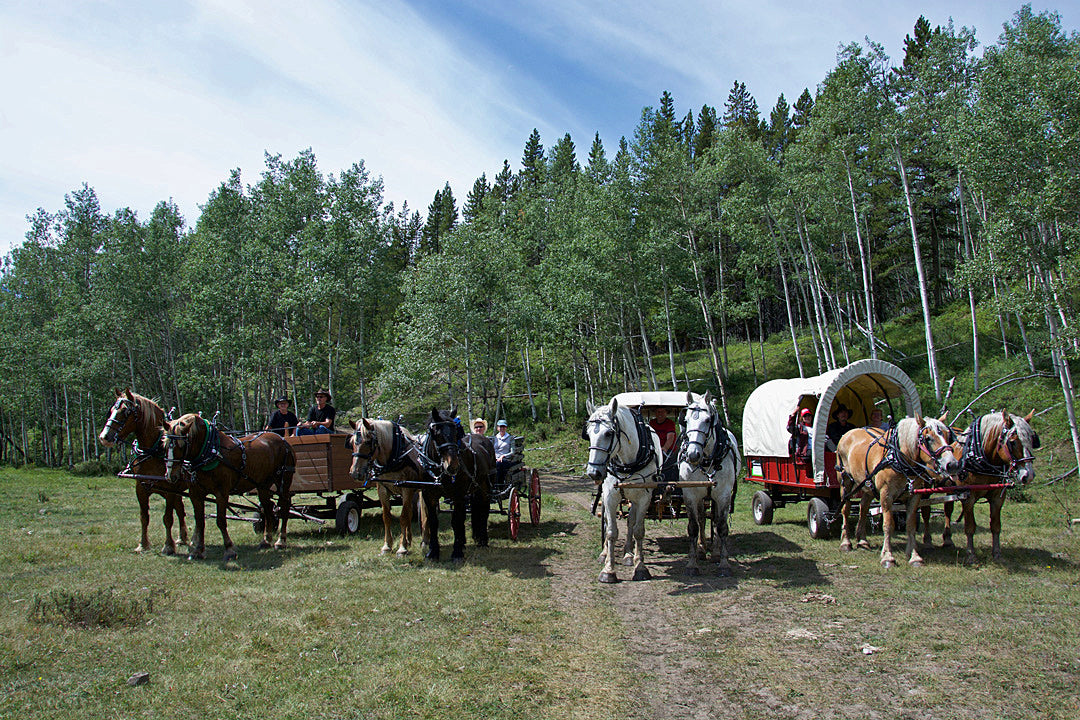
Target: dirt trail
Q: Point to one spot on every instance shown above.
(658, 632)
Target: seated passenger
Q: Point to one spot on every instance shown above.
(665, 428)
(504, 449)
(283, 421)
(839, 426)
(801, 443)
(876, 420)
(320, 419)
(479, 426)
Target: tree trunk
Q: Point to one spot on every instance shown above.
(864, 262)
(931, 352)
(667, 322)
(969, 252)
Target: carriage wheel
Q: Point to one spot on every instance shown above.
(513, 514)
(762, 507)
(817, 518)
(534, 495)
(260, 524)
(347, 518)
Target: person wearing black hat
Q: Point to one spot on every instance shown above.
(320, 419)
(283, 420)
(839, 425)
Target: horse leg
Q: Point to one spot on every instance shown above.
(721, 513)
(946, 534)
(637, 527)
(610, 500)
(266, 504)
(228, 549)
(197, 546)
(864, 521)
(408, 499)
(457, 522)
(481, 508)
(387, 518)
(694, 509)
(886, 494)
(924, 514)
(914, 559)
(968, 509)
(430, 522)
(997, 499)
(143, 496)
(167, 520)
(846, 486)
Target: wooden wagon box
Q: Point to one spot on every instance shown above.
(322, 463)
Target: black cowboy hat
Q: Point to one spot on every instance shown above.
(282, 400)
(839, 407)
(324, 392)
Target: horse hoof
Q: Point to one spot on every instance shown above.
(888, 564)
(197, 555)
(642, 574)
(945, 544)
(693, 571)
(385, 550)
(608, 577)
(628, 560)
(971, 561)
(864, 544)
(279, 545)
(725, 572)
(168, 551)
(916, 563)
(228, 555)
(846, 546)
(139, 549)
(402, 552)
(264, 545)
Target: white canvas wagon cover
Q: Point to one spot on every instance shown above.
(858, 386)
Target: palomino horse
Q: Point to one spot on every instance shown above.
(389, 450)
(995, 449)
(134, 414)
(463, 463)
(623, 450)
(708, 465)
(890, 462)
(223, 466)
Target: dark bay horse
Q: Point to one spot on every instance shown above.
(997, 448)
(133, 414)
(389, 451)
(889, 464)
(224, 466)
(463, 464)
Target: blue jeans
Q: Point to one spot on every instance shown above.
(320, 430)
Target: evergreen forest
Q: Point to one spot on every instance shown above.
(945, 181)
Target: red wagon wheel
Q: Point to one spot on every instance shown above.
(534, 497)
(513, 514)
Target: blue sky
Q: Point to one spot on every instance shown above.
(147, 101)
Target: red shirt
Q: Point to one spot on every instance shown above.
(665, 430)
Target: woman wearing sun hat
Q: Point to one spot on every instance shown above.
(479, 426)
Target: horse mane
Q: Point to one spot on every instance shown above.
(150, 409)
(994, 421)
(384, 432)
(907, 430)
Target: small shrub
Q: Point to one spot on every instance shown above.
(93, 468)
(90, 608)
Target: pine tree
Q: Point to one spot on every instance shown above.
(531, 176)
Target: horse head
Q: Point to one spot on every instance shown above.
(698, 421)
(934, 439)
(603, 432)
(446, 435)
(123, 419)
(364, 443)
(182, 439)
(1015, 445)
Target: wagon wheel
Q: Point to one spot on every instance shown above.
(762, 507)
(534, 497)
(513, 514)
(347, 518)
(817, 518)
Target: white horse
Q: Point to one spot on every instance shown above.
(709, 454)
(623, 449)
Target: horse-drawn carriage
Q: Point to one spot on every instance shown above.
(859, 387)
(635, 478)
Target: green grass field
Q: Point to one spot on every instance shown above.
(331, 629)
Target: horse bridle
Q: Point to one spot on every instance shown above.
(114, 424)
(617, 434)
(356, 446)
(1003, 441)
(924, 445)
(706, 433)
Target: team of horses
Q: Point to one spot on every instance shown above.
(191, 457)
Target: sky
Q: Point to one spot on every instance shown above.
(151, 101)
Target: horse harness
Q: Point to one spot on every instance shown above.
(974, 460)
(712, 462)
(646, 453)
(211, 456)
(895, 459)
(433, 466)
(398, 457)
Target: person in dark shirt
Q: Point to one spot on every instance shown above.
(801, 443)
(283, 421)
(320, 419)
(839, 425)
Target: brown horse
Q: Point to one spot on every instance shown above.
(224, 466)
(995, 449)
(389, 451)
(463, 463)
(889, 464)
(134, 414)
